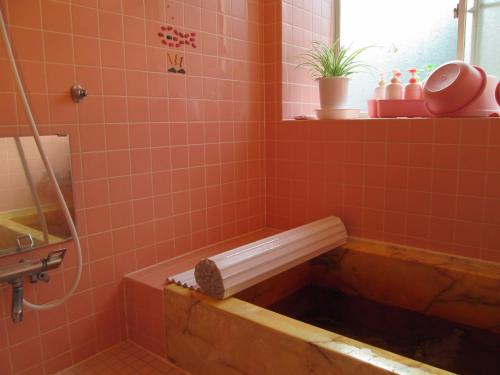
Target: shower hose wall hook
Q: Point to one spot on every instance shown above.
(78, 93)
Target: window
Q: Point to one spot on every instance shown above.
(415, 34)
(482, 37)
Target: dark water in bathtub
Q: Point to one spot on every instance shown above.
(437, 342)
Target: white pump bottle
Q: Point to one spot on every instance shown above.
(379, 92)
(394, 90)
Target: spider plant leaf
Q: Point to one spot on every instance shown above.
(333, 60)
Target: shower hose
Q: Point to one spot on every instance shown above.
(50, 171)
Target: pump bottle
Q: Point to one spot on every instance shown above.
(413, 90)
(394, 90)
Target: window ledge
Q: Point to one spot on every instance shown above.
(385, 119)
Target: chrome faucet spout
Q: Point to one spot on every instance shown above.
(17, 300)
(36, 270)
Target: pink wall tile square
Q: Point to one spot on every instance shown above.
(493, 185)
(34, 79)
(111, 26)
(142, 186)
(58, 48)
(123, 239)
(51, 319)
(85, 21)
(96, 192)
(470, 208)
(82, 332)
(398, 131)
(95, 165)
(26, 355)
(19, 17)
(98, 219)
(473, 158)
(471, 183)
(444, 181)
(421, 155)
(100, 246)
(90, 77)
(446, 156)
(474, 131)
(135, 56)
(58, 363)
(419, 202)
(118, 163)
(55, 342)
(395, 223)
(422, 131)
(121, 214)
(447, 131)
(112, 54)
(56, 16)
(468, 234)
(417, 226)
(491, 207)
(19, 333)
(443, 205)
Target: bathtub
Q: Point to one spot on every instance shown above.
(241, 335)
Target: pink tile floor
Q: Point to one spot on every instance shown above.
(123, 359)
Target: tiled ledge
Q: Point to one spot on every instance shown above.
(144, 291)
(155, 276)
(389, 119)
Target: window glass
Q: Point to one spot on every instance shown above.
(406, 34)
(486, 43)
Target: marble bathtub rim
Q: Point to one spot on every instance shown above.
(323, 340)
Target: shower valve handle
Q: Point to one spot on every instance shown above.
(41, 276)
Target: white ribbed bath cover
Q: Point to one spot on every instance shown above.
(230, 272)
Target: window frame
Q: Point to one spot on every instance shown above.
(475, 9)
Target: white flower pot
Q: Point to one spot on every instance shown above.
(333, 92)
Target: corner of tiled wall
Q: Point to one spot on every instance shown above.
(163, 163)
(302, 23)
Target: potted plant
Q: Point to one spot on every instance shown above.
(332, 66)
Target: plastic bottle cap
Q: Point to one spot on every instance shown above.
(381, 83)
(413, 72)
(396, 74)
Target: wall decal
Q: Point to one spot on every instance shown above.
(171, 37)
(175, 61)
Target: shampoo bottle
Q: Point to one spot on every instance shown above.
(413, 90)
(379, 92)
(394, 90)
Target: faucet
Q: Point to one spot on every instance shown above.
(36, 270)
(17, 299)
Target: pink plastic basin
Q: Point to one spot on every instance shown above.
(452, 86)
(497, 93)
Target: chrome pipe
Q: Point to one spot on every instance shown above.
(35, 269)
(27, 267)
(17, 300)
(22, 268)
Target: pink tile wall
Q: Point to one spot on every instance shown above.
(146, 315)
(427, 183)
(166, 163)
(303, 22)
(272, 58)
(163, 163)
